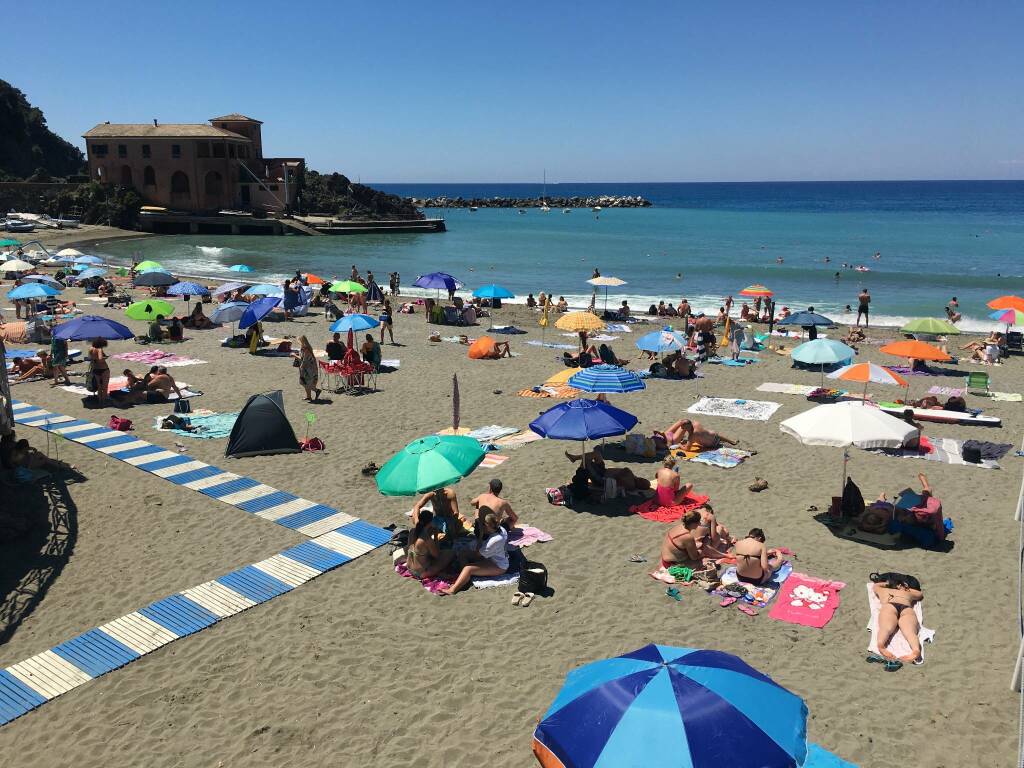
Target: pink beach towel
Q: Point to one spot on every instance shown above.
(527, 535)
(431, 585)
(650, 510)
(806, 600)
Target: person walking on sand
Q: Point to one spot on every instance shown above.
(308, 369)
(863, 306)
(387, 318)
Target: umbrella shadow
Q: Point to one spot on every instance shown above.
(847, 530)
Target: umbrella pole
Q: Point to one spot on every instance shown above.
(846, 459)
(864, 399)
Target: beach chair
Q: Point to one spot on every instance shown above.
(977, 381)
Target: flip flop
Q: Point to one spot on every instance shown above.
(637, 559)
(674, 593)
(746, 609)
(517, 599)
(727, 602)
(663, 576)
(527, 599)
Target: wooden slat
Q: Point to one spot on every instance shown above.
(289, 571)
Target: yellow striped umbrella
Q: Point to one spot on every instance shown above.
(579, 321)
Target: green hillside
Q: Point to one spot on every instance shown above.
(27, 145)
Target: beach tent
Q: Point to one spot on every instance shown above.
(483, 348)
(262, 429)
(374, 293)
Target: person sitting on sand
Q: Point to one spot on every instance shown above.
(624, 311)
(531, 302)
(491, 499)
(755, 563)
(176, 332)
(562, 305)
(133, 382)
(160, 387)
(681, 546)
(855, 336)
(423, 556)
(198, 320)
(370, 351)
(678, 365)
(897, 595)
(608, 356)
(593, 463)
(667, 484)
(335, 348)
(745, 312)
(913, 441)
(491, 555)
(27, 369)
(445, 507)
(687, 432)
(716, 540)
(671, 311)
(977, 346)
(156, 331)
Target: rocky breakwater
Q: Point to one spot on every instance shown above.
(597, 201)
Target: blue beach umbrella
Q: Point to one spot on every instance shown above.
(493, 292)
(676, 708)
(610, 379)
(266, 289)
(583, 420)
(356, 322)
(91, 272)
(438, 280)
(229, 313)
(92, 327)
(227, 288)
(258, 310)
(88, 260)
(664, 340)
(240, 268)
(187, 289)
(48, 279)
(806, 319)
(154, 278)
(32, 291)
(822, 352)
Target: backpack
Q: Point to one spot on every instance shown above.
(120, 423)
(560, 496)
(182, 406)
(533, 577)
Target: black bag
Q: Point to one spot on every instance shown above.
(92, 382)
(971, 453)
(182, 406)
(533, 577)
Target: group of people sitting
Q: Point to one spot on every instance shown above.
(442, 540)
(155, 386)
(560, 306)
(50, 365)
(174, 330)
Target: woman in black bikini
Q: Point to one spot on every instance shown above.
(99, 369)
(755, 563)
(898, 592)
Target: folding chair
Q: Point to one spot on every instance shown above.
(978, 381)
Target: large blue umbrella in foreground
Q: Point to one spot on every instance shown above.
(606, 378)
(664, 340)
(32, 291)
(356, 322)
(92, 327)
(672, 708)
(257, 311)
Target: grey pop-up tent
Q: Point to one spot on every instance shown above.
(262, 428)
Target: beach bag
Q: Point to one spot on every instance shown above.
(971, 453)
(533, 577)
(560, 496)
(182, 406)
(120, 423)
(312, 444)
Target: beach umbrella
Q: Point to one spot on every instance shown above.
(240, 268)
(49, 280)
(92, 327)
(149, 310)
(583, 420)
(493, 292)
(227, 288)
(91, 272)
(312, 279)
(610, 379)
(915, 349)
(231, 312)
(9, 243)
(187, 289)
(149, 266)
(806, 319)
(66, 253)
(356, 322)
(931, 325)
(438, 280)
(265, 289)
(257, 311)
(756, 290)
(666, 706)
(844, 424)
(1007, 302)
(607, 282)
(88, 260)
(429, 463)
(15, 265)
(347, 286)
(1007, 317)
(868, 373)
(32, 291)
(822, 352)
(579, 321)
(151, 279)
(661, 341)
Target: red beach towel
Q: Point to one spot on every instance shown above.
(649, 510)
(806, 600)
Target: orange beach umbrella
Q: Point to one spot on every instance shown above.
(756, 290)
(312, 279)
(917, 350)
(1007, 302)
(868, 373)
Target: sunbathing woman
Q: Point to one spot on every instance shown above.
(491, 556)
(667, 488)
(898, 593)
(424, 557)
(686, 432)
(30, 370)
(598, 471)
(681, 547)
(717, 540)
(755, 563)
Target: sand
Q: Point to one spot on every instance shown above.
(361, 667)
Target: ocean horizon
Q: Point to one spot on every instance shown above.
(700, 240)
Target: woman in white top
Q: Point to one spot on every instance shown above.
(491, 557)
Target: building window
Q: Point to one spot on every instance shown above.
(176, 151)
(149, 177)
(231, 150)
(213, 185)
(218, 150)
(180, 187)
(122, 150)
(126, 176)
(202, 149)
(145, 150)
(100, 150)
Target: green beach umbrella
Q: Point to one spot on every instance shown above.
(148, 310)
(149, 266)
(347, 286)
(931, 325)
(8, 242)
(429, 463)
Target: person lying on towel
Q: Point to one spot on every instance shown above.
(597, 471)
(922, 522)
(898, 593)
(687, 432)
(755, 563)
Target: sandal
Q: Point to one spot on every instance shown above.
(517, 599)
(527, 599)
(663, 576)
(637, 559)
(758, 485)
(747, 609)
(674, 593)
(370, 468)
(726, 602)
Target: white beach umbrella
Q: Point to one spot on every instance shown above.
(16, 265)
(844, 424)
(607, 281)
(69, 253)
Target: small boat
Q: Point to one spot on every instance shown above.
(545, 209)
(567, 210)
(473, 209)
(596, 209)
(17, 225)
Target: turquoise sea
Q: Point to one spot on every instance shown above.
(700, 241)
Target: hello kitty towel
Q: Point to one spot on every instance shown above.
(806, 600)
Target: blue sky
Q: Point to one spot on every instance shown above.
(599, 91)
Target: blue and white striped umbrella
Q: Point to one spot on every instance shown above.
(187, 288)
(673, 708)
(664, 340)
(48, 279)
(606, 378)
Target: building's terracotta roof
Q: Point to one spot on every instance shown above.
(236, 117)
(163, 130)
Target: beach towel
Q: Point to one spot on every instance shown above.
(549, 344)
(759, 596)
(749, 410)
(562, 392)
(492, 460)
(492, 432)
(431, 585)
(726, 458)
(947, 391)
(904, 370)
(157, 357)
(390, 364)
(786, 389)
(207, 427)
(806, 600)
(1007, 397)
(526, 535)
(944, 450)
(509, 329)
(898, 646)
(117, 384)
(603, 337)
(743, 361)
(517, 441)
(650, 510)
(618, 328)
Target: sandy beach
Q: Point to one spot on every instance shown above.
(361, 667)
